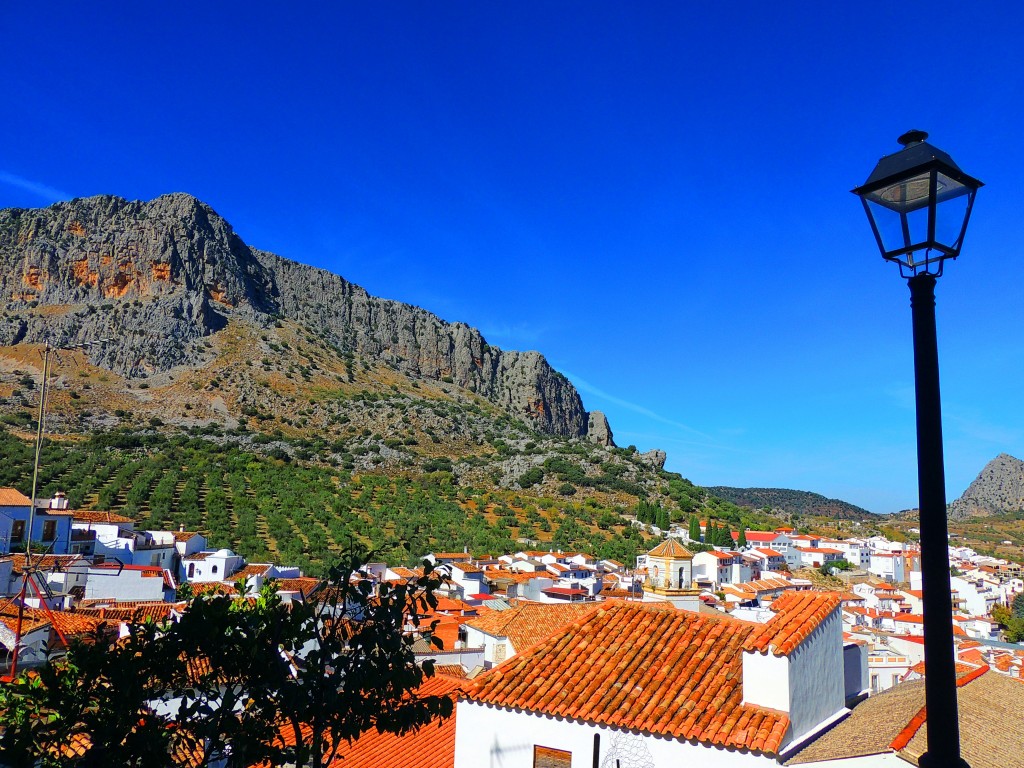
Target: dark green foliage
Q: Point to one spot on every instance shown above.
(531, 477)
(794, 502)
(694, 531)
(227, 665)
(741, 542)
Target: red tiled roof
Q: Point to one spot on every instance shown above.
(98, 516)
(254, 569)
(12, 497)
(769, 552)
(45, 562)
(456, 671)
(184, 535)
(720, 555)
(529, 623)
(671, 673)
(797, 614)
(670, 548)
(761, 536)
(129, 611)
(301, 584)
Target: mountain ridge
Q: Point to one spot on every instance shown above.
(998, 489)
(164, 276)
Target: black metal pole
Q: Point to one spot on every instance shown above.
(940, 666)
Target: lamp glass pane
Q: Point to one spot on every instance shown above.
(904, 196)
(889, 224)
(950, 214)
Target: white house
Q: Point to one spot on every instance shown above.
(597, 692)
(124, 583)
(715, 567)
(209, 566)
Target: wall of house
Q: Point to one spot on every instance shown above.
(766, 680)
(493, 737)
(855, 670)
(816, 683)
(128, 585)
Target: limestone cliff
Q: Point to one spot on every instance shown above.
(998, 488)
(161, 276)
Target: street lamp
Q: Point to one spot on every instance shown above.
(918, 202)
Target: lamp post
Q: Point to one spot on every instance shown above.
(918, 202)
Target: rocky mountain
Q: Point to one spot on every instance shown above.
(175, 289)
(997, 489)
(791, 502)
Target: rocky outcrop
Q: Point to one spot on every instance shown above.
(655, 458)
(160, 276)
(998, 488)
(598, 429)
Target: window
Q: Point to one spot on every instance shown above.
(191, 570)
(49, 530)
(214, 569)
(546, 757)
(874, 683)
(18, 530)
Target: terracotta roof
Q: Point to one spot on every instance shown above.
(130, 611)
(253, 569)
(797, 614)
(529, 623)
(991, 729)
(46, 562)
(29, 623)
(184, 535)
(670, 548)
(303, 584)
(720, 555)
(197, 556)
(98, 516)
(69, 623)
(450, 670)
(769, 552)
(761, 536)
(671, 673)
(12, 497)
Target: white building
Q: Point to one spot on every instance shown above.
(209, 566)
(597, 692)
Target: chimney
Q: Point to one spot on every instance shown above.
(181, 528)
(59, 501)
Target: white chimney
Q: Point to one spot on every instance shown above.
(59, 501)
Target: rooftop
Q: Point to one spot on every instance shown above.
(671, 548)
(991, 729)
(528, 623)
(672, 673)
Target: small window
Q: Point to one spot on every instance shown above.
(191, 570)
(18, 530)
(49, 530)
(546, 757)
(214, 569)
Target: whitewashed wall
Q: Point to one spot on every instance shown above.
(493, 737)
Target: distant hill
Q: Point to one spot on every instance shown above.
(998, 488)
(792, 502)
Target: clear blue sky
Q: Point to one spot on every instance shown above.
(654, 195)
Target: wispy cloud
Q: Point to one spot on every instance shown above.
(39, 189)
(635, 407)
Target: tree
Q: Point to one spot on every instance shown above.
(741, 542)
(1017, 606)
(246, 680)
(694, 528)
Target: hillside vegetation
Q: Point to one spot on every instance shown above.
(784, 500)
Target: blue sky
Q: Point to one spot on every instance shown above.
(654, 195)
